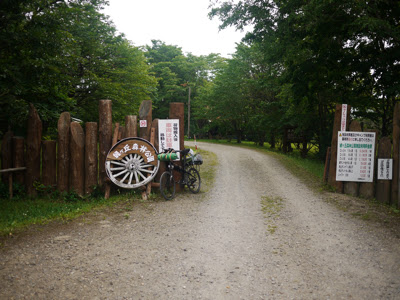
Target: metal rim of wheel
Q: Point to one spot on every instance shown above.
(194, 181)
(132, 168)
(167, 186)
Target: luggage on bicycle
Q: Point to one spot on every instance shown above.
(167, 156)
(197, 159)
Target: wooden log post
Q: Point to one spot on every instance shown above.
(351, 188)
(145, 114)
(33, 146)
(105, 140)
(19, 158)
(367, 189)
(116, 134)
(338, 185)
(383, 190)
(130, 126)
(49, 162)
(327, 162)
(6, 154)
(63, 156)
(177, 111)
(91, 160)
(396, 156)
(77, 161)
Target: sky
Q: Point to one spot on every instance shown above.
(182, 23)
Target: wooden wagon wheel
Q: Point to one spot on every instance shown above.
(132, 163)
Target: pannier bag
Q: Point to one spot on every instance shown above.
(167, 156)
(197, 159)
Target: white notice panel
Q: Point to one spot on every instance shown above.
(355, 156)
(385, 169)
(168, 134)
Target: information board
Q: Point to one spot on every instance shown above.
(168, 134)
(355, 156)
(385, 169)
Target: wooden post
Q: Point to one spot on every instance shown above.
(63, 156)
(115, 134)
(338, 185)
(383, 190)
(327, 162)
(49, 160)
(177, 111)
(77, 162)
(396, 157)
(91, 161)
(33, 145)
(367, 189)
(145, 113)
(105, 140)
(152, 137)
(351, 188)
(6, 154)
(19, 158)
(130, 126)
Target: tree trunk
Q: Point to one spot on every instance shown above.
(105, 140)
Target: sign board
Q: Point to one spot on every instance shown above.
(355, 156)
(143, 123)
(168, 134)
(344, 118)
(385, 169)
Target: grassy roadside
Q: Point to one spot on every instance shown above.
(20, 212)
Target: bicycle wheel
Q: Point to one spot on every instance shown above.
(167, 185)
(194, 181)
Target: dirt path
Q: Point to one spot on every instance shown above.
(259, 233)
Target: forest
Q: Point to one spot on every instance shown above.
(298, 61)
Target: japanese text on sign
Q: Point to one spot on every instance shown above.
(355, 156)
(385, 169)
(168, 134)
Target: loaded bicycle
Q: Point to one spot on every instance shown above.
(190, 176)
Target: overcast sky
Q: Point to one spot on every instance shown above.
(183, 23)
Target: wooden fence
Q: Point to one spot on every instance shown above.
(76, 161)
(385, 191)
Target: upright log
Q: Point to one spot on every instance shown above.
(130, 126)
(49, 162)
(77, 161)
(91, 161)
(177, 111)
(33, 145)
(6, 154)
(145, 113)
(383, 190)
(396, 156)
(351, 188)
(63, 157)
(338, 185)
(367, 189)
(105, 140)
(19, 158)
(115, 135)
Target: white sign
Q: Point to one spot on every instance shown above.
(385, 169)
(355, 156)
(344, 118)
(168, 134)
(143, 123)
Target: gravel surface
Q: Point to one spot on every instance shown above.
(258, 233)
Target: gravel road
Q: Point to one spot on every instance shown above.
(258, 233)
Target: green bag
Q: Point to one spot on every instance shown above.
(167, 156)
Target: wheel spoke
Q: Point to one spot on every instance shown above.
(136, 177)
(126, 175)
(147, 171)
(141, 175)
(124, 171)
(117, 169)
(117, 163)
(130, 178)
